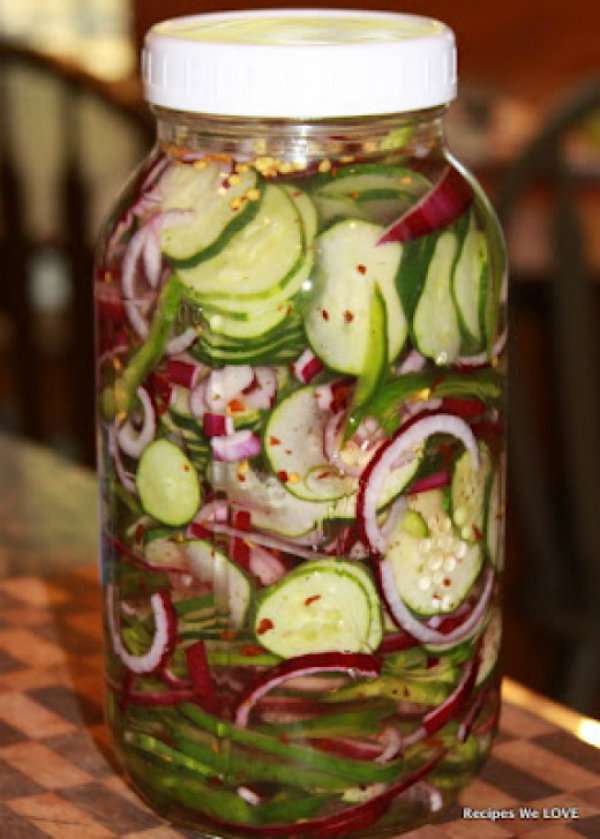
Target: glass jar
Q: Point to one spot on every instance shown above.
(301, 326)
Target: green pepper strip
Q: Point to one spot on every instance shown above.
(235, 765)
(346, 723)
(353, 770)
(218, 803)
(485, 385)
(146, 743)
(120, 397)
(221, 658)
(194, 604)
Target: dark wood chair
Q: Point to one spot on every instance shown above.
(72, 236)
(555, 447)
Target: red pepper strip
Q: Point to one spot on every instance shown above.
(438, 717)
(465, 408)
(397, 642)
(359, 817)
(199, 672)
(199, 532)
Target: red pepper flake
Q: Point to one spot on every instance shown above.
(312, 599)
(228, 635)
(288, 451)
(325, 314)
(282, 475)
(236, 406)
(264, 626)
(362, 269)
(477, 533)
(323, 475)
(447, 583)
(274, 441)
(139, 532)
(348, 316)
(251, 649)
(186, 468)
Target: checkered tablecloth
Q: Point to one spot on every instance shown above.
(57, 778)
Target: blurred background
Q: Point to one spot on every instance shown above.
(527, 122)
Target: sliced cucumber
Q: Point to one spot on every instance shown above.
(435, 324)
(322, 606)
(168, 484)
(493, 516)
(373, 192)
(213, 217)
(467, 494)
(232, 587)
(293, 445)
(265, 253)
(273, 509)
(375, 369)
(433, 575)
(307, 211)
(469, 285)
(259, 324)
(246, 308)
(350, 265)
(490, 646)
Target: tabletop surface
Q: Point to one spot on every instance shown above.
(57, 778)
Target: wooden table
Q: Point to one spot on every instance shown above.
(57, 778)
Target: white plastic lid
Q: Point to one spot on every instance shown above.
(299, 63)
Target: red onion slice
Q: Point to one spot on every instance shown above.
(240, 445)
(126, 478)
(267, 567)
(260, 396)
(435, 481)
(249, 796)
(217, 425)
(392, 743)
(225, 384)
(199, 672)
(350, 663)
(408, 437)
(413, 363)
(183, 373)
(307, 366)
(180, 343)
(349, 747)
(413, 626)
(442, 205)
(263, 539)
(134, 442)
(165, 634)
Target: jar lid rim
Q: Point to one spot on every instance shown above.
(300, 63)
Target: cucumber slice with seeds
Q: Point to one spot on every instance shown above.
(467, 494)
(433, 575)
(323, 606)
(293, 445)
(168, 484)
